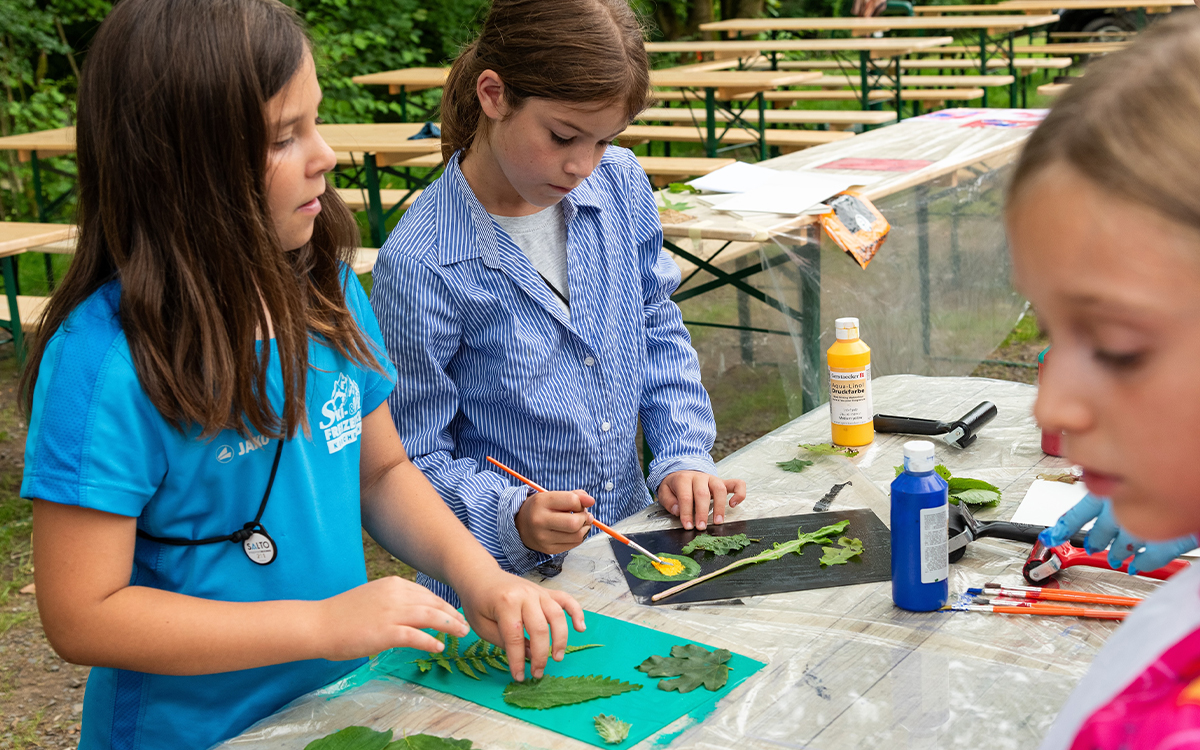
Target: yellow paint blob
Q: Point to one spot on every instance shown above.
(668, 567)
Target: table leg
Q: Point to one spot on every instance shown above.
(983, 50)
(864, 59)
(762, 126)
(710, 113)
(899, 97)
(810, 308)
(374, 202)
(743, 311)
(1012, 71)
(9, 269)
(923, 262)
(403, 104)
(43, 213)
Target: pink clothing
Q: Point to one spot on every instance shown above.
(1159, 710)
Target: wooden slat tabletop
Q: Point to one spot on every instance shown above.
(888, 23)
(19, 236)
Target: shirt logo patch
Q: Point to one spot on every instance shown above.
(225, 454)
(343, 415)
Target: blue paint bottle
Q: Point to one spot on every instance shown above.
(920, 562)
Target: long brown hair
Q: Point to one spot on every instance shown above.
(1132, 124)
(565, 50)
(172, 143)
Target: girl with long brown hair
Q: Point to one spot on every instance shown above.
(207, 431)
(1104, 221)
(526, 297)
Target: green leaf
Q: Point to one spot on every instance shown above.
(352, 738)
(958, 484)
(796, 465)
(977, 497)
(718, 545)
(828, 449)
(643, 567)
(581, 647)
(669, 205)
(691, 666)
(899, 470)
(840, 555)
(681, 187)
(429, 742)
(611, 729)
(549, 692)
(942, 472)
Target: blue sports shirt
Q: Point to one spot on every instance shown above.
(96, 441)
(489, 365)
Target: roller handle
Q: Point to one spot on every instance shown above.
(910, 425)
(1018, 532)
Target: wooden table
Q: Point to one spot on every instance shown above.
(381, 145)
(405, 81)
(868, 50)
(24, 311)
(1053, 6)
(995, 31)
(845, 669)
(720, 87)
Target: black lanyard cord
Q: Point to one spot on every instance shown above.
(238, 536)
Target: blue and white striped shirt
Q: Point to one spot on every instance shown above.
(489, 365)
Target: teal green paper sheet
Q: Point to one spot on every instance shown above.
(626, 645)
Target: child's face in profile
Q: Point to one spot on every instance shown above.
(298, 157)
(546, 148)
(1117, 286)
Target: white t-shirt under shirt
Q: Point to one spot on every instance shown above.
(542, 237)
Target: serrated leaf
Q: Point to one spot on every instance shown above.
(444, 664)
(691, 666)
(899, 469)
(423, 664)
(352, 738)
(670, 205)
(473, 650)
(429, 742)
(828, 449)
(611, 729)
(958, 484)
(977, 497)
(796, 465)
(549, 692)
(494, 662)
(582, 647)
(841, 554)
(465, 668)
(718, 545)
(642, 567)
(451, 651)
(942, 472)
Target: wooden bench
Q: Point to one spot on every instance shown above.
(364, 260)
(919, 80)
(836, 119)
(786, 140)
(1021, 64)
(356, 199)
(1070, 48)
(912, 95)
(1116, 36)
(30, 308)
(1053, 89)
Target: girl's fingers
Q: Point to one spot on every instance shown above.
(720, 496)
(558, 626)
(566, 523)
(701, 499)
(572, 608)
(512, 632)
(666, 498)
(539, 635)
(419, 639)
(683, 493)
(738, 488)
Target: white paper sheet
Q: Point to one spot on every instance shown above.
(789, 199)
(1046, 501)
(740, 177)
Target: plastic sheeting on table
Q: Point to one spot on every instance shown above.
(845, 668)
(936, 299)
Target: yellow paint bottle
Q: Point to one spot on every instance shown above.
(850, 410)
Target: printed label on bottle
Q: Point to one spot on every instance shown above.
(850, 396)
(935, 561)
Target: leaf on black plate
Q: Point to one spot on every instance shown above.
(841, 554)
(642, 567)
(718, 545)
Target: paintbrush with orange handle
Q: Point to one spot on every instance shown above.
(603, 527)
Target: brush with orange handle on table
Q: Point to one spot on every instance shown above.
(603, 527)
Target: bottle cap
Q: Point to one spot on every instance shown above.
(845, 329)
(918, 456)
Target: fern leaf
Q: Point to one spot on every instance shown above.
(465, 668)
(582, 647)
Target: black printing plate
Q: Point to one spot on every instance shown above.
(790, 573)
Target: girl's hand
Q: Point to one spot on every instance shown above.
(502, 608)
(554, 522)
(689, 494)
(383, 614)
